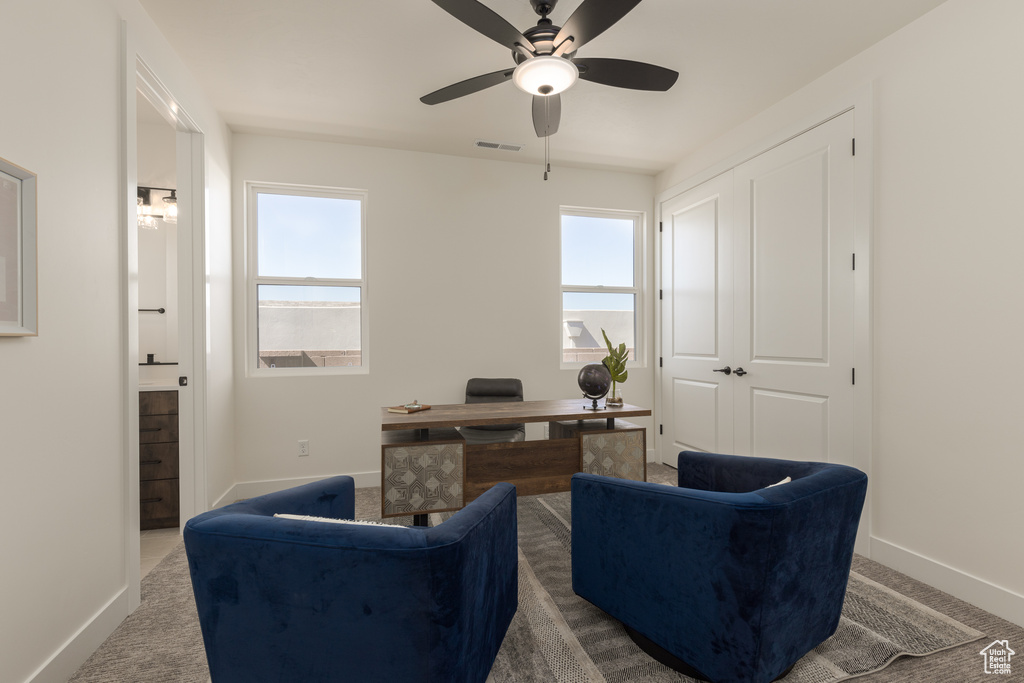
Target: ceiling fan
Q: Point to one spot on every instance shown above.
(545, 56)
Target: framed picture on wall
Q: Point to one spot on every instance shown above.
(18, 281)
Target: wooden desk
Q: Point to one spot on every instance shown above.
(426, 465)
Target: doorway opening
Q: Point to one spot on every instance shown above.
(164, 296)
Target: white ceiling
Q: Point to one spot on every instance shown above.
(353, 71)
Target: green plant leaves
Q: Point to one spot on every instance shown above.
(615, 361)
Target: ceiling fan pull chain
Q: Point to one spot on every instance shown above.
(547, 141)
(547, 156)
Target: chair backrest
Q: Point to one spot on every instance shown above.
(495, 390)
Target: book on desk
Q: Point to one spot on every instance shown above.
(413, 407)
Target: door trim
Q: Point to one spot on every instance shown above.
(861, 102)
(137, 76)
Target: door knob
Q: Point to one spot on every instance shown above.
(740, 372)
(727, 370)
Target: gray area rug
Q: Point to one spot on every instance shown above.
(556, 636)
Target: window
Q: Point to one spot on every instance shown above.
(601, 276)
(307, 279)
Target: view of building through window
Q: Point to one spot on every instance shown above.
(308, 283)
(599, 283)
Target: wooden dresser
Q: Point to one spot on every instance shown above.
(158, 459)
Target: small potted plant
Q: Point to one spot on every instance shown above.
(615, 361)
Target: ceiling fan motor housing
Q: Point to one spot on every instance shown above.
(542, 37)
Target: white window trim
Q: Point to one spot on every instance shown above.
(639, 278)
(252, 368)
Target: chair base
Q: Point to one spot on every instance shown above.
(665, 657)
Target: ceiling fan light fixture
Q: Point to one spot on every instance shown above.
(545, 75)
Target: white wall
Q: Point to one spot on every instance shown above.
(463, 272)
(948, 330)
(63, 579)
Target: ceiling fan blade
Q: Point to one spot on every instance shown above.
(547, 111)
(623, 73)
(486, 21)
(467, 87)
(591, 19)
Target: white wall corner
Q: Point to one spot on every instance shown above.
(999, 601)
(250, 489)
(63, 664)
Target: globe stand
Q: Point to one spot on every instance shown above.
(594, 407)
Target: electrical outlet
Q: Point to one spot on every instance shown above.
(303, 447)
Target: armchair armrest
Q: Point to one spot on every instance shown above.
(475, 578)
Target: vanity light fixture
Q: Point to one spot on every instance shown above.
(146, 215)
(171, 211)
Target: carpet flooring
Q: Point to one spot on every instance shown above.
(161, 640)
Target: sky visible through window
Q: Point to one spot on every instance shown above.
(308, 237)
(597, 251)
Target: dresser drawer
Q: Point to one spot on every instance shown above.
(158, 461)
(158, 429)
(158, 403)
(158, 504)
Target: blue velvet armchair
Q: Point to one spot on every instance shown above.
(724, 577)
(296, 600)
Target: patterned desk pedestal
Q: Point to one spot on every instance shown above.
(422, 475)
(619, 452)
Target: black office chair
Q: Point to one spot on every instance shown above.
(487, 390)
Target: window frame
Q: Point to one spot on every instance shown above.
(254, 280)
(637, 290)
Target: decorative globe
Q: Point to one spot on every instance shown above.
(595, 380)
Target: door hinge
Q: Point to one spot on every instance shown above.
(661, 429)
(661, 227)
(853, 375)
(854, 262)
(661, 361)
(853, 146)
(661, 294)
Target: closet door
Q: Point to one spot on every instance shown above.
(697, 319)
(794, 333)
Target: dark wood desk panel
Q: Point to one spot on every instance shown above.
(535, 467)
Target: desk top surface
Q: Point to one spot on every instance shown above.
(471, 414)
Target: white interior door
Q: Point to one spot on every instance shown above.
(795, 298)
(757, 278)
(697, 319)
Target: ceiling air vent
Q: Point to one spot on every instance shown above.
(503, 146)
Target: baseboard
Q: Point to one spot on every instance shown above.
(63, 664)
(248, 489)
(988, 596)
